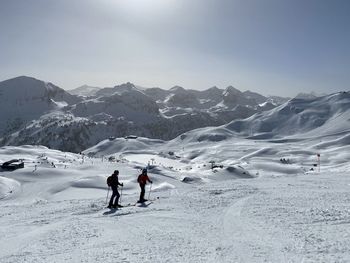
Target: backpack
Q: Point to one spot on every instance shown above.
(109, 181)
(139, 178)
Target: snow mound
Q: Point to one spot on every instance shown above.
(237, 172)
(98, 181)
(120, 145)
(261, 152)
(204, 135)
(8, 187)
(342, 141)
(278, 168)
(192, 179)
(163, 187)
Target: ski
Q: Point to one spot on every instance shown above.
(128, 205)
(146, 202)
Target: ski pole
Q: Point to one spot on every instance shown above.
(107, 195)
(150, 190)
(121, 194)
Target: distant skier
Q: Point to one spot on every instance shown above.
(142, 180)
(113, 182)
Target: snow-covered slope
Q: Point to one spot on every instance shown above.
(122, 145)
(217, 199)
(311, 95)
(319, 116)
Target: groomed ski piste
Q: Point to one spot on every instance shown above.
(264, 201)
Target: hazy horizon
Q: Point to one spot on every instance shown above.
(271, 47)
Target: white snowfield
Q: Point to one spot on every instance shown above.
(265, 201)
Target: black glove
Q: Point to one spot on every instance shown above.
(122, 184)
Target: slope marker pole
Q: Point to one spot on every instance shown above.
(150, 190)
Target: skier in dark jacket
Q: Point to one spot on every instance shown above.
(113, 182)
(142, 180)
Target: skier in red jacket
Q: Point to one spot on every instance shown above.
(142, 179)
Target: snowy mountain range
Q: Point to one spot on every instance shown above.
(42, 113)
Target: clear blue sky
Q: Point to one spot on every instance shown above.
(277, 47)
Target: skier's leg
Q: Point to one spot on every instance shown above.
(142, 196)
(116, 199)
(111, 200)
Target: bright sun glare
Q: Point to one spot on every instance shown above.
(145, 6)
